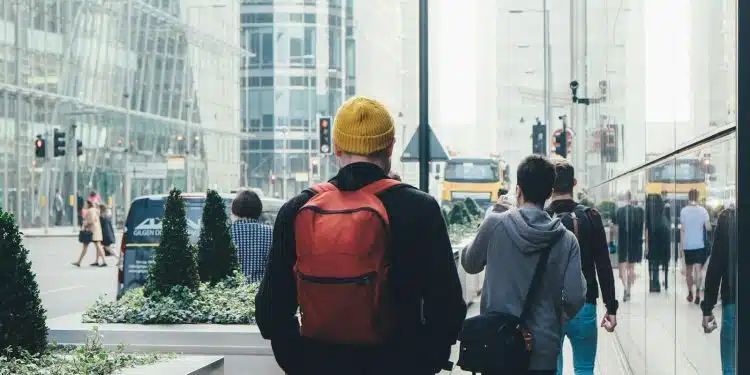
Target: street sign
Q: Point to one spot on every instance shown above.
(155, 171)
(411, 153)
(558, 132)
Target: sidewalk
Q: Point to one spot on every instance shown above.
(50, 232)
(609, 359)
(661, 333)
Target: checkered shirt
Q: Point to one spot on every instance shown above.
(253, 242)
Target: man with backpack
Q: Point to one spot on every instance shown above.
(587, 225)
(368, 262)
(511, 247)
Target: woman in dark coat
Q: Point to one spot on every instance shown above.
(657, 240)
(108, 232)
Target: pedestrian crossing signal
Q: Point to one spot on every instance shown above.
(39, 147)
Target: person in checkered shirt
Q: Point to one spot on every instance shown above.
(251, 237)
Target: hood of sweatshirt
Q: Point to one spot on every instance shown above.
(531, 229)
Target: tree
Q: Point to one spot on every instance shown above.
(217, 253)
(22, 318)
(175, 260)
(459, 214)
(472, 207)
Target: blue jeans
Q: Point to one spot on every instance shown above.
(727, 343)
(582, 333)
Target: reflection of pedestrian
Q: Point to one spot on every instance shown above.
(59, 206)
(694, 222)
(628, 227)
(722, 273)
(657, 241)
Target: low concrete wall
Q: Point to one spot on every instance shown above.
(186, 365)
(241, 346)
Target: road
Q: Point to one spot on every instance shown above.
(64, 288)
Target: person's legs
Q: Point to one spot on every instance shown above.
(582, 333)
(653, 276)
(728, 339)
(83, 253)
(689, 280)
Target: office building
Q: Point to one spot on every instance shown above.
(302, 69)
(148, 87)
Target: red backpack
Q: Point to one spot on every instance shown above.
(342, 264)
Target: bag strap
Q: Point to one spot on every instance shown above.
(536, 281)
(322, 188)
(380, 186)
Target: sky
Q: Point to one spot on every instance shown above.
(667, 60)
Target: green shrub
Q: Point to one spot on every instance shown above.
(23, 326)
(446, 213)
(459, 214)
(175, 260)
(607, 209)
(231, 301)
(91, 358)
(473, 207)
(216, 250)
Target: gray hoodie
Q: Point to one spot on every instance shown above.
(508, 245)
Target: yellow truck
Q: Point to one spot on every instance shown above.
(476, 178)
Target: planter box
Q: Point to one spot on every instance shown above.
(241, 346)
(187, 365)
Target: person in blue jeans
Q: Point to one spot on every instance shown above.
(720, 277)
(586, 224)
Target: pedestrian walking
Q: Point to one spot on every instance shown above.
(368, 262)
(532, 284)
(91, 232)
(587, 226)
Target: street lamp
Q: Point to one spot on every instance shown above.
(547, 60)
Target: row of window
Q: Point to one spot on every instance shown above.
(254, 18)
(277, 144)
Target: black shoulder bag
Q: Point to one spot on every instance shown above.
(497, 342)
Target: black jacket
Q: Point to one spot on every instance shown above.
(720, 275)
(594, 254)
(426, 290)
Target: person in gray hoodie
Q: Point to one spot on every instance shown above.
(508, 245)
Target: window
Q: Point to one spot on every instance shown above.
(295, 48)
(310, 43)
(351, 59)
(267, 48)
(334, 53)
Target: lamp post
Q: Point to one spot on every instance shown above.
(547, 55)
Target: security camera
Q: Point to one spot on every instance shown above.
(574, 85)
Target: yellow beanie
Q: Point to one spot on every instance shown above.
(363, 126)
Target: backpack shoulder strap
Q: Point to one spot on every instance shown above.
(380, 186)
(536, 282)
(322, 188)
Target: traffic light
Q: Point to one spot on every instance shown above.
(59, 143)
(538, 138)
(79, 147)
(324, 129)
(561, 144)
(39, 147)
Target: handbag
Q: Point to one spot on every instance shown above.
(496, 342)
(85, 236)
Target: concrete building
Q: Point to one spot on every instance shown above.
(300, 71)
(149, 88)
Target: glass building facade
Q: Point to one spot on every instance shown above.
(302, 68)
(148, 87)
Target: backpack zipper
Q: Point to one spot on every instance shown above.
(346, 211)
(359, 280)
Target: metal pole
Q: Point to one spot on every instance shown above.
(284, 165)
(74, 157)
(127, 181)
(6, 163)
(579, 127)
(19, 109)
(310, 128)
(547, 70)
(424, 114)
(189, 105)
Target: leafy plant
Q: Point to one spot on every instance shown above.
(217, 253)
(175, 260)
(231, 301)
(472, 207)
(607, 209)
(445, 211)
(459, 214)
(91, 358)
(23, 326)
